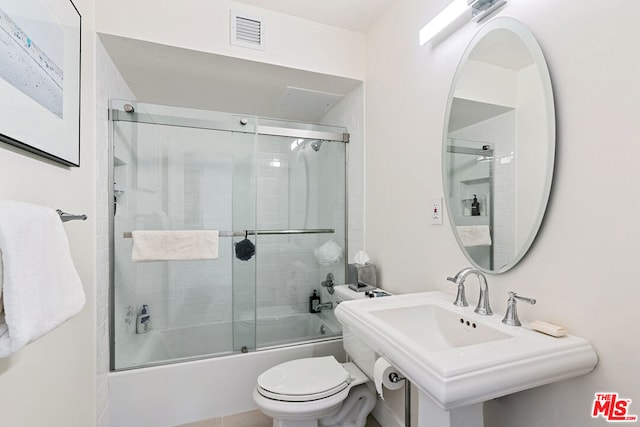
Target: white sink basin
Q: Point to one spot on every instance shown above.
(455, 356)
(435, 328)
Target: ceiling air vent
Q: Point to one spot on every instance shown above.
(247, 31)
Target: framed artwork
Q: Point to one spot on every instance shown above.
(40, 78)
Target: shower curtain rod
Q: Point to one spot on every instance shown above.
(128, 235)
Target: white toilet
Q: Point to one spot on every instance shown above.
(313, 392)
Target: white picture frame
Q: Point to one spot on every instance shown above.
(40, 78)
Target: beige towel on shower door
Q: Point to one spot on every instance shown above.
(175, 245)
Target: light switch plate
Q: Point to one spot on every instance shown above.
(436, 211)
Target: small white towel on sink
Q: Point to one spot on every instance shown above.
(474, 235)
(174, 245)
(40, 287)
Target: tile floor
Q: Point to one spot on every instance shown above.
(250, 419)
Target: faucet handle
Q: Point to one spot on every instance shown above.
(461, 299)
(531, 301)
(511, 316)
(329, 283)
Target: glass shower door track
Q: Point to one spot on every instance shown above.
(241, 126)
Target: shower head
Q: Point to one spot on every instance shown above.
(316, 145)
(300, 143)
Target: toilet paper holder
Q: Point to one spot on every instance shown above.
(395, 378)
(384, 371)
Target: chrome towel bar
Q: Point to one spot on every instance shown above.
(127, 234)
(64, 217)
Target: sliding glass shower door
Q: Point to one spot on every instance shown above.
(169, 177)
(276, 193)
(301, 188)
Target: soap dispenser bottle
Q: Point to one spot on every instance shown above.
(143, 325)
(475, 206)
(314, 302)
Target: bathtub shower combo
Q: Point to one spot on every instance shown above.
(279, 185)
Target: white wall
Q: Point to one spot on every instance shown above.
(109, 84)
(349, 113)
(580, 268)
(52, 381)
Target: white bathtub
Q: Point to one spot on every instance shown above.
(213, 340)
(179, 393)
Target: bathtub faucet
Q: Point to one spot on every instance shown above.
(324, 306)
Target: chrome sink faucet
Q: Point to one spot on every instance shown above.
(483, 306)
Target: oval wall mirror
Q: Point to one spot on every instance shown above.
(499, 145)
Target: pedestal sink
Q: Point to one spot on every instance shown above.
(456, 358)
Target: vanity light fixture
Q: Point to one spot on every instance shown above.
(476, 9)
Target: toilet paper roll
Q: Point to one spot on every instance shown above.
(382, 370)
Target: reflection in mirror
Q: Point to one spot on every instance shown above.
(499, 145)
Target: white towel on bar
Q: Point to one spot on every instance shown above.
(174, 245)
(474, 235)
(40, 286)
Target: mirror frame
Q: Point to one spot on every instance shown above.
(528, 39)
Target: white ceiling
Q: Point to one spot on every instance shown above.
(354, 15)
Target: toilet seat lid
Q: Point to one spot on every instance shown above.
(304, 379)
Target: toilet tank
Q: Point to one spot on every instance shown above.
(345, 293)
